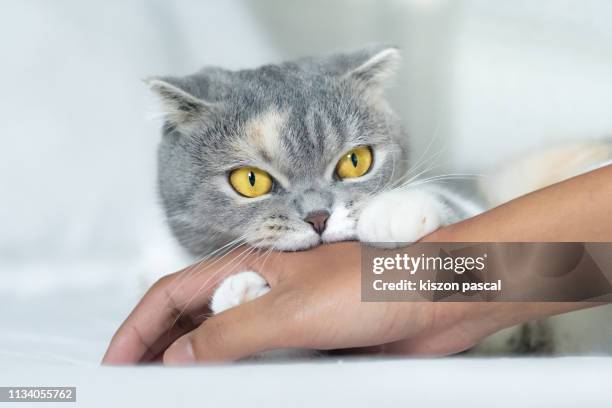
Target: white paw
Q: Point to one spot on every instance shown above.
(238, 289)
(399, 217)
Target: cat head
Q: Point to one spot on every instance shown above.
(281, 156)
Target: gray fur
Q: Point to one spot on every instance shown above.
(328, 105)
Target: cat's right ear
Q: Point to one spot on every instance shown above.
(181, 110)
(372, 75)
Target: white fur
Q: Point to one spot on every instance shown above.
(238, 289)
(400, 217)
(340, 226)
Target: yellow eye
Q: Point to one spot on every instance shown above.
(250, 181)
(355, 163)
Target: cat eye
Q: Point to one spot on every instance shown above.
(354, 163)
(250, 181)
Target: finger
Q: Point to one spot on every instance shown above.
(183, 294)
(156, 350)
(153, 324)
(250, 328)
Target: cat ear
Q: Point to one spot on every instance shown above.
(181, 109)
(373, 75)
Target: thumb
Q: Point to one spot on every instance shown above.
(239, 332)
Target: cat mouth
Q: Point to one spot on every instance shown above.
(289, 243)
(304, 242)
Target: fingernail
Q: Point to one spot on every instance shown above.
(179, 353)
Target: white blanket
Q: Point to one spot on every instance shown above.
(58, 339)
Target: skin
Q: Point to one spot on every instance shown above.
(315, 298)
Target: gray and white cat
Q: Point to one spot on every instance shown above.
(294, 121)
(290, 156)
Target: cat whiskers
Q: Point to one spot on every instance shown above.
(193, 268)
(269, 252)
(416, 169)
(237, 258)
(266, 255)
(445, 177)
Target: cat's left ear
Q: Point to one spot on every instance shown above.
(374, 74)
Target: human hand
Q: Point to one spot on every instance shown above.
(315, 303)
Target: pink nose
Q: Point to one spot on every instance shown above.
(317, 219)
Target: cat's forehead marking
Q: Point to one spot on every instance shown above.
(263, 132)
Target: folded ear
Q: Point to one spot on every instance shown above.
(372, 75)
(181, 109)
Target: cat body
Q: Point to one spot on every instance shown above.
(290, 156)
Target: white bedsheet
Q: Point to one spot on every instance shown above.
(57, 339)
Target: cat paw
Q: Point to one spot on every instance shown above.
(238, 289)
(399, 217)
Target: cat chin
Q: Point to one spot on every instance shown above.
(308, 241)
(295, 243)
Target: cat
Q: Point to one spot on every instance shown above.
(289, 156)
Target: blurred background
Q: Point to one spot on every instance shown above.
(488, 79)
